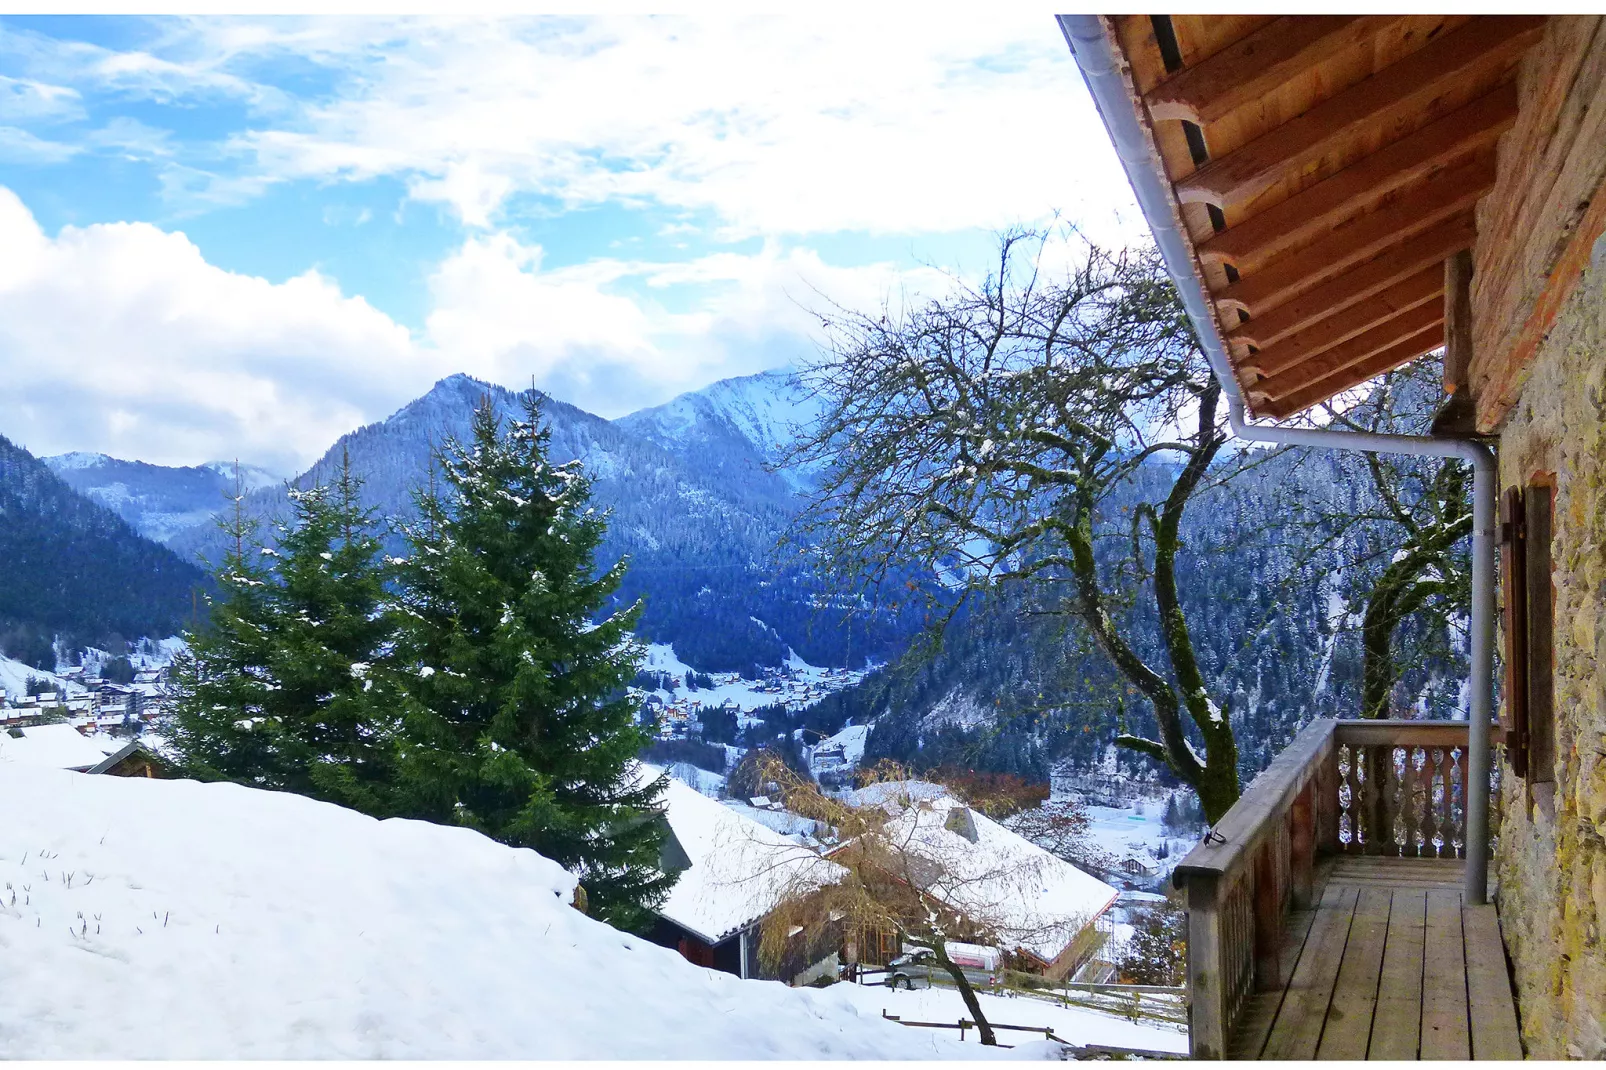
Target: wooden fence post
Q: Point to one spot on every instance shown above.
(1302, 846)
(1207, 974)
(1268, 920)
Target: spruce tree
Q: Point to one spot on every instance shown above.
(333, 629)
(518, 723)
(221, 723)
(279, 688)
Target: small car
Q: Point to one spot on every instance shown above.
(920, 965)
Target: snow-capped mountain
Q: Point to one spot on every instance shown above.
(157, 501)
(736, 425)
(72, 569)
(692, 505)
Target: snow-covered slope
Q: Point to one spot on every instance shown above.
(157, 501)
(171, 919)
(743, 423)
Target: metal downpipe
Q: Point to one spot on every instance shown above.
(1101, 70)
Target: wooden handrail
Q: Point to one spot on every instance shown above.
(1240, 881)
(1386, 787)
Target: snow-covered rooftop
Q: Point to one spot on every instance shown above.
(1037, 900)
(54, 746)
(184, 920)
(740, 869)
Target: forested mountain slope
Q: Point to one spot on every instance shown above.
(691, 504)
(157, 501)
(71, 568)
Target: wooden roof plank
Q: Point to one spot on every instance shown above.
(1368, 280)
(1258, 63)
(1317, 209)
(1385, 335)
(1387, 100)
(1426, 285)
(1373, 366)
(1448, 193)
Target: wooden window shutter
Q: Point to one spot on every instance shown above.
(1539, 505)
(1514, 588)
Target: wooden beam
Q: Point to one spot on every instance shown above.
(1373, 366)
(1318, 209)
(1315, 368)
(1448, 193)
(1370, 279)
(1426, 285)
(1387, 101)
(1257, 64)
(1458, 322)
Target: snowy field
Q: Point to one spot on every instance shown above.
(1077, 1025)
(14, 676)
(806, 684)
(1136, 831)
(149, 919)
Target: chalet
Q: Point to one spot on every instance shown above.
(733, 872)
(52, 746)
(133, 759)
(1335, 196)
(1036, 906)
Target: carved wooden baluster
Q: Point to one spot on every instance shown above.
(1433, 826)
(1393, 801)
(1410, 816)
(1352, 792)
(1461, 767)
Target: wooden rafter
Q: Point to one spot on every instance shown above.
(1368, 280)
(1422, 288)
(1398, 96)
(1376, 365)
(1317, 209)
(1348, 354)
(1446, 194)
(1259, 63)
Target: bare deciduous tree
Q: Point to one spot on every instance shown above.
(908, 866)
(1419, 519)
(981, 436)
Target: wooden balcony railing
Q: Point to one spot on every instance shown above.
(1391, 788)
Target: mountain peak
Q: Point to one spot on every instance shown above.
(62, 462)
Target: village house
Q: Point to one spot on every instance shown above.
(1048, 912)
(733, 872)
(51, 746)
(1335, 196)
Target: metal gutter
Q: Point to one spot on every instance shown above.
(1113, 95)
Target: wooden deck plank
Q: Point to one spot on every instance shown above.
(1444, 980)
(1298, 1029)
(1250, 1039)
(1397, 1025)
(1492, 1008)
(1349, 1015)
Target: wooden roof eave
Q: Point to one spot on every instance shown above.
(1152, 161)
(1337, 194)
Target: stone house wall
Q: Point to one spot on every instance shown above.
(1551, 862)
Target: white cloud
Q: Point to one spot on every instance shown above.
(25, 98)
(773, 125)
(613, 335)
(21, 146)
(122, 339)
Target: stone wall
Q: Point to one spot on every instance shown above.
(1551, 859)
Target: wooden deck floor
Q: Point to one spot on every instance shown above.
(1390, 964)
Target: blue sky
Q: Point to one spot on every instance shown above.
(241, 237)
